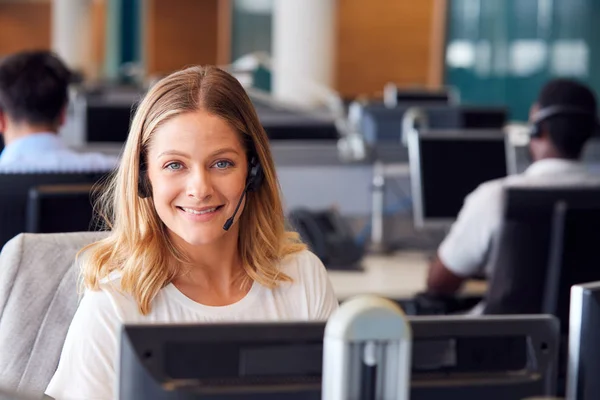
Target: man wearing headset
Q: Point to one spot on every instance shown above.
(562, 120)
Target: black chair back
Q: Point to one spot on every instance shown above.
(546, 244)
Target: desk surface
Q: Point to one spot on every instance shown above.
(398, 276)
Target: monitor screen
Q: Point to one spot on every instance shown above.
(447, 166)
(584, 348)
(422, 97)
(306, 130)
(483, 117)
(107, 123)
(452, 357)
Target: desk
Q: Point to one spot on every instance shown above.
(397, 276)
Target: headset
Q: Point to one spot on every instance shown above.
(535, 130)
(254, 180)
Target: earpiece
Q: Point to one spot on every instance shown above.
(535, 130)
(253, 182)
(255, 174)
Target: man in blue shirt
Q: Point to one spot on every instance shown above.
(33, 102)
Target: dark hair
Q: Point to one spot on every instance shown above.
(33, 87)
(569, 133)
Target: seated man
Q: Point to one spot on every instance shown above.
(33, 102)
(557, 141)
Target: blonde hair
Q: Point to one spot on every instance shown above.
(138, 245)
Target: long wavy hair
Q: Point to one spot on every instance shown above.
(138, 245)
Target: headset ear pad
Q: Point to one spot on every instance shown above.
(256, 174)
(534, 130)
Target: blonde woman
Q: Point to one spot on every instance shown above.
(197, 232)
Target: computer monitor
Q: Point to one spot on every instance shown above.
(483, 117)
(445, 166)
(492, 358)
(394, 96)
(302, 130)
(422, 97)
(61, 208)
(221, 361)
(583, 368)
(382, 124)
(107, 122)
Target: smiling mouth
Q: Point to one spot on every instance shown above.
(197, 212)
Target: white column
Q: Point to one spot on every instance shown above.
(303, 49)
(71, 32)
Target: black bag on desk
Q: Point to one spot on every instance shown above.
(329, 236)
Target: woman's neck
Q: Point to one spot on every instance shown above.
(216, 268)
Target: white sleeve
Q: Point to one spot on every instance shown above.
(465, 248)
(323, 301)
(86, 369)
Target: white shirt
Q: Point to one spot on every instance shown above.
(45, 152)
(87, 364)
(465, 250)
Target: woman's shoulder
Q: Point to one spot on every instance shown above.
(310, 277)
(110, 299)
(303, 265)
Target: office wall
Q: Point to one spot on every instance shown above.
(376, 41)
(98, 37)
(503, 51)
(24, 25)
(381, 41)
(185, 32)
(251, 27)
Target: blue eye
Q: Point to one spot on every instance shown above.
(223, 164)
(174, 166)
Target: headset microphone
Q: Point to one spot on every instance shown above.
(229, 221)
(255, 178)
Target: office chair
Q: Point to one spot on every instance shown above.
(38, 298)
(547, 243)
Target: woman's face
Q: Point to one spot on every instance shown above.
(197, 167)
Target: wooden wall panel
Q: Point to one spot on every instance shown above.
(180, 33)
(437, 49)
(25, 26)
(98, 37)
(382, 40)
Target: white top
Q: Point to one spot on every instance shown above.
(87, 364)
(465, 250)
(45, 152)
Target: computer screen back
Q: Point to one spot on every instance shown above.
(492, 358)
(447, 166)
